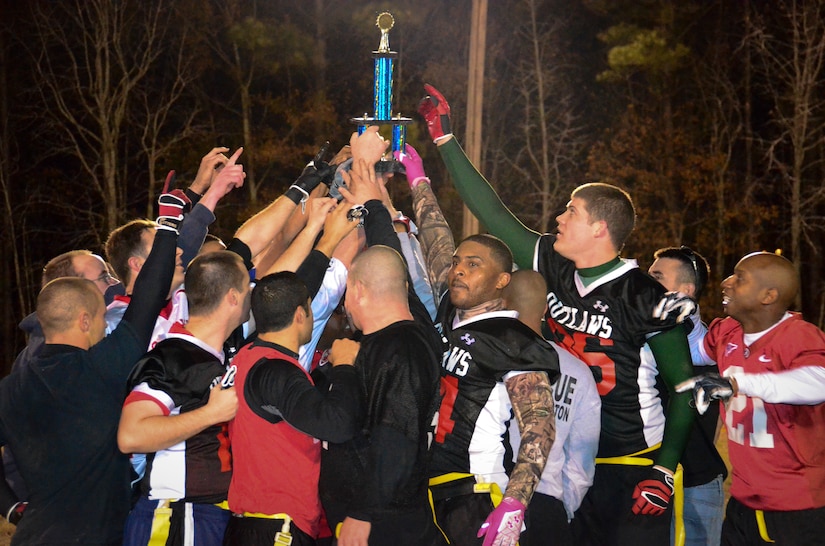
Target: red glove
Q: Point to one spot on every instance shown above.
(172, 205)
(503, 526)
(15, 513)
(436, 111)
(653, 494)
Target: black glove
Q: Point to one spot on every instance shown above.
(706, 388)
(314, 173)
(674, 303)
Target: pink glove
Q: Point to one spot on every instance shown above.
(413, 164)
(503, 525)
(436, 111)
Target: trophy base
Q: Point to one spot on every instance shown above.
(386, 166)
(373, 121)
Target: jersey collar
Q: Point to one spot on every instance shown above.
(626, 265)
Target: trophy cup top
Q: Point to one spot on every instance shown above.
(384, 22)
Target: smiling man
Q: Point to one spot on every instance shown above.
(773, 382)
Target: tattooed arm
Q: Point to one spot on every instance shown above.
(532, 400)
(435, 237)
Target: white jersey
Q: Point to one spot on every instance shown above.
(571, 463)
(323, 304)
(177, 310)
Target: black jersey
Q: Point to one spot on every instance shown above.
(475, 414)
(178, 375)
(606, 324)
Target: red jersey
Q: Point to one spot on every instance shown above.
(777, 450)
(276, 466)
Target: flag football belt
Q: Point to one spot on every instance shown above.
(454, 484)
(762, 526)
(282, 537)
(634, 459)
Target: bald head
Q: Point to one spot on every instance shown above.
(527, 294)
(62, 300)
(382, 272)
(773, 271)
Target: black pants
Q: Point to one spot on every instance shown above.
(461, 516)
(261, 532)
(546, 522)
(796, 528)
(606, 518)
(411, 527)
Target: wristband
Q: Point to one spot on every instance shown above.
(403, 220)
(419, 180)
(302, 200)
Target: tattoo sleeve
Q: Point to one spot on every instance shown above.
(532, 400)
(435, 237)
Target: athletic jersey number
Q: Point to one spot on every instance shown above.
(576, 343)
(449, 391)
(759, 437)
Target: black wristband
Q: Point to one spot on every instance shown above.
(294, 194)
(193, 196)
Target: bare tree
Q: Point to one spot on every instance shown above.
(791, 54)
(543, 140)
(90, 58)
(164, 125)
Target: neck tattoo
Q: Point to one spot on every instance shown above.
(486, 307)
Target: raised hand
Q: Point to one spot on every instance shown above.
(362, 183)
(413, 164)
(315, 172)
(369, 145)
(231, 176)
(172, 205)
(436, 112)
(210, 165)
(319, 210)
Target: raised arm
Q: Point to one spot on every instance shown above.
(152, 285)
(259, 231)
(474, 189)
(213, 181)
(297, 251)
(437, 243)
